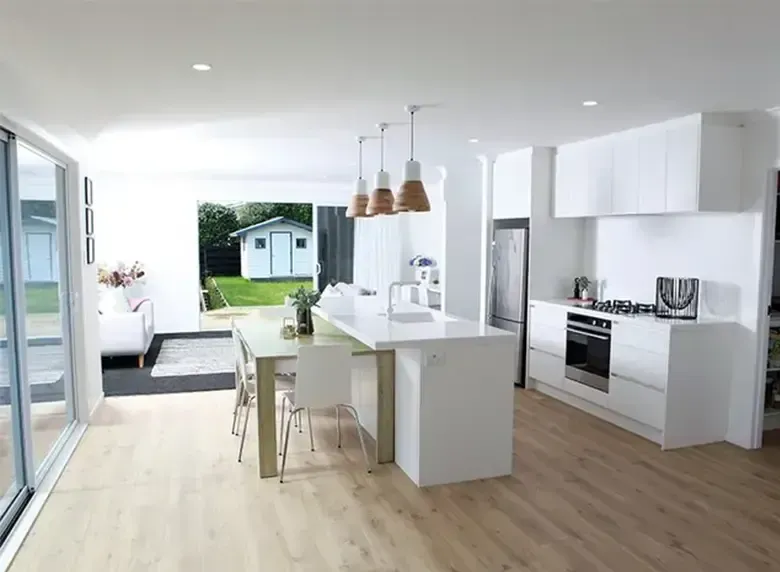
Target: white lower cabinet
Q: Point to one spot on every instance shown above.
(545, 367)
(638, 402)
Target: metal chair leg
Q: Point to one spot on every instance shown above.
(360, 433)
(246, 422)
(286, 442)
(281, 423)
(311, 428)
(236, 406)
(242, 397)
(338, 427)
(300, 422)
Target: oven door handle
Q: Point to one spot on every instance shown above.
(588, 334)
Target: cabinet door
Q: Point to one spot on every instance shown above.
(652, 172)
(571, 185)
(642, 367)
(547, 368)
(637, 402)
(625, 175)
(512, 185)
(548, 340)
(599, 155)
(682, 167)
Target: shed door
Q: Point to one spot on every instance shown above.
(39, 256)
(281, 254)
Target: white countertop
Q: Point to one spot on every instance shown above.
(362, 317)
(641, 319)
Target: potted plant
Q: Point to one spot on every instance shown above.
(303, 300)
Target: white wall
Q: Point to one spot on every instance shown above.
(155, 220)
(462, 248)
(423, 233)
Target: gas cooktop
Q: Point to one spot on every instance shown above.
(625, 307)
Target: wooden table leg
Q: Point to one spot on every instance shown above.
(385, 415)
(266, 416)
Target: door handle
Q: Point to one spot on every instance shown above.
(319, 268)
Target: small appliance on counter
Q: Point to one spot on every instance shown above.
(677, 298)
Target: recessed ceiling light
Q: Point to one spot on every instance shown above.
(590, 103)
(201, 67)
(473, 140)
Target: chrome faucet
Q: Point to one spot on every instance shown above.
(390, 294)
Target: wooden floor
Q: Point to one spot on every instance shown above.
(155, 486)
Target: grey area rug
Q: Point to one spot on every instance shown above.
(194, 357)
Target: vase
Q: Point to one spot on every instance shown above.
(305, 323)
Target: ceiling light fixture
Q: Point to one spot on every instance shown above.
(381, 199)
(359, 200)
(411, 195)
(201, 67)
(473, 140)
(590, 103)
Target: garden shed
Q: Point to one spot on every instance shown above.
(278, 248)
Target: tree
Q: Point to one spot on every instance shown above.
(215, 223)
(253, 213)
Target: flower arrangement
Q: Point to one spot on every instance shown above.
(421, 261)
(303, 300)
(121, 275)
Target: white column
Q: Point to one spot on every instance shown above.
(486, 236)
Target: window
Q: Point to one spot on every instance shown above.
(260, 243)
(300, 243)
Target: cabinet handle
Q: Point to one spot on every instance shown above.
(545, 352)
(637, 382)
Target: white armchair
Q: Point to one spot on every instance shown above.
(128, 333)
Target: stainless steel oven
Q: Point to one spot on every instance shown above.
(588, 342)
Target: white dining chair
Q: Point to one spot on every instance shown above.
(324, 380)
(246, 387)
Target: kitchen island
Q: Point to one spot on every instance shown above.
(454, 387)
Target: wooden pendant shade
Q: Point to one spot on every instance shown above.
(412, 198)
(357, 206)
(411, 194)
(381, 199)
(380, 202)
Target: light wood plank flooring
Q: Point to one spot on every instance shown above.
(155, 486)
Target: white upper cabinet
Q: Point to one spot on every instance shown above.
(651, 193)
(682, 167)
(512, 185)
(600, 177)
(571, 181)
(625, 176)
(686, 165)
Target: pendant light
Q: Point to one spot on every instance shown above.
(381, 199)
(359, 199)
(411, 195)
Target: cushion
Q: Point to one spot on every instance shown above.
(113, 300)
(331, 291)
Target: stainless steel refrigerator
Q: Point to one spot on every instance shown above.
(509, 287)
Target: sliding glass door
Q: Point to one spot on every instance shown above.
(13, 477)
(37, 405)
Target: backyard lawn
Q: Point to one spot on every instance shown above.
(41, 299)
(242, 292)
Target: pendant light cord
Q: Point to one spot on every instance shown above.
(382, 149)
(411, 136)
(360, 158)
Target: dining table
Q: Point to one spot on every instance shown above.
(263, 339)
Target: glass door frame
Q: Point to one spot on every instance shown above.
(21, 438)
(28, 478)
(64, 295)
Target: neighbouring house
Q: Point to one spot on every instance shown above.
(39, 249)
(276, 248)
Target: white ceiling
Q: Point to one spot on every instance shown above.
(294, 81)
